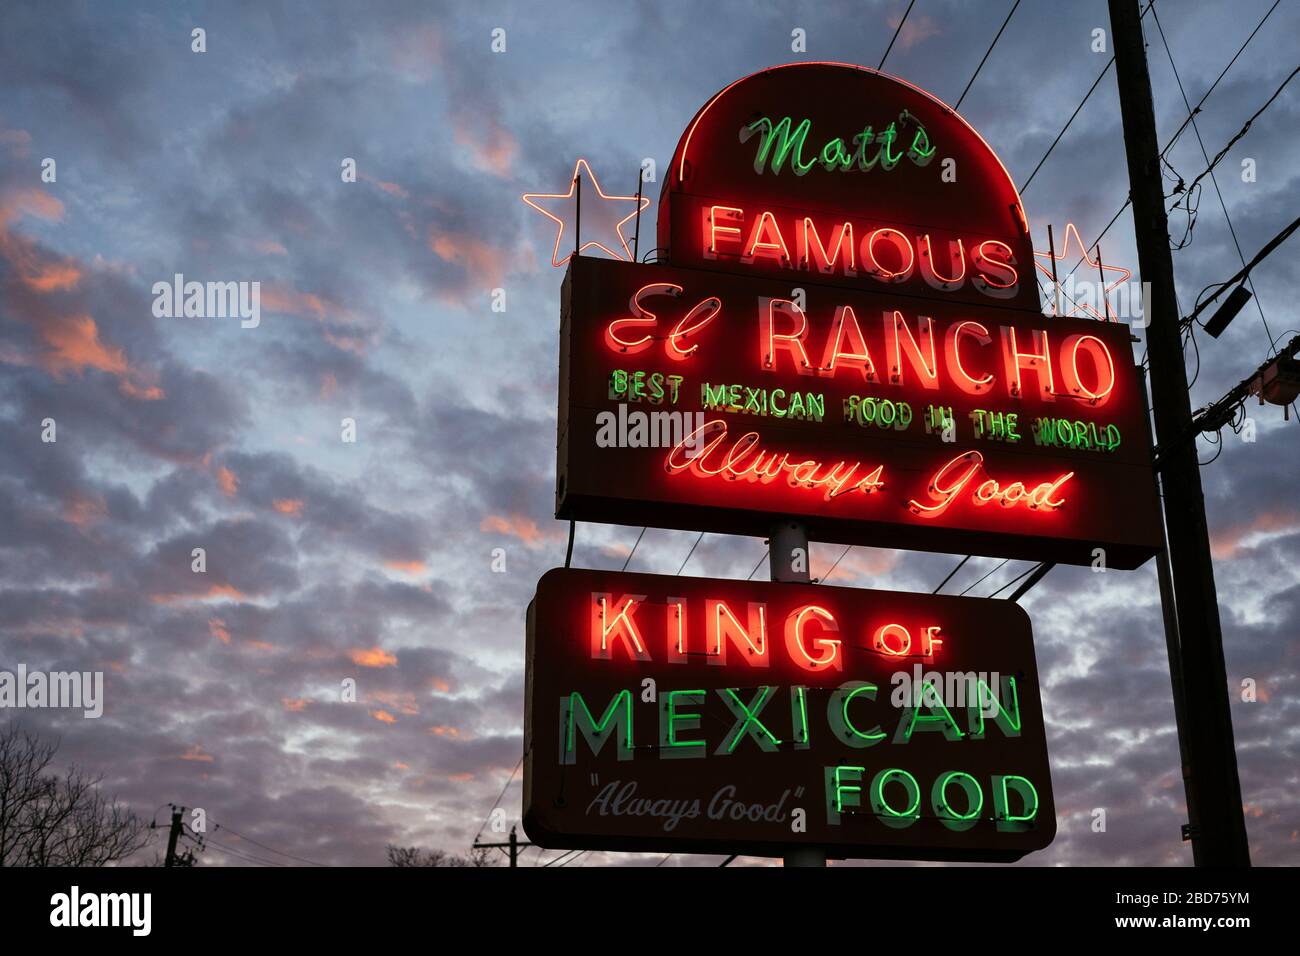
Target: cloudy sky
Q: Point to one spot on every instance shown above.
(373, 560)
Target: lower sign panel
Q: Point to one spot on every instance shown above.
(699, 715)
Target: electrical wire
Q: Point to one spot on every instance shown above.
(1190, 114)
(497, 801)
(1021, 576)
(634, 547)
(961, 564)
(690, 552)
(986, 54)
(897, 31)
(1211, 163)
(986, 577)
(301, 859)
(835, 565)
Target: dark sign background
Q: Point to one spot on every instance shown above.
(1110, 501)
(979, 635)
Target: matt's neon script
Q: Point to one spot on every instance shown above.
(785, 140)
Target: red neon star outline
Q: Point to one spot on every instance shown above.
(1071, 231)
(573, 185)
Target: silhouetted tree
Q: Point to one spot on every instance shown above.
(414, 856)
(48, 820)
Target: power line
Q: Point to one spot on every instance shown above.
(634, 547)
(690, 552)
(986, 54)
(562, 856)
(1018, 577)
(1245, 273)
(986, 577)
(301, 859)
(1193, 111)
(897, 31)
(1236, 136)
(960, 565)
(1104, 70)
(248, 857)
(497, 801)
(837, 562)
(1190, 114)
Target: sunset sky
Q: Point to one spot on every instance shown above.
(373, 560)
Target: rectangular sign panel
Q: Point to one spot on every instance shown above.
(697, 715)
(712, 401)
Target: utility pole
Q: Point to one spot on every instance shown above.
(174, 836)
(1210, 767)
(787, 538)
(512, 847)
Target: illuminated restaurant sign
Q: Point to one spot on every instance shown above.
(670, 713)
(844, 330)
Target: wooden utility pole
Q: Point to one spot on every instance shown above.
(174, 836)
(1210, 766)
(512, 847)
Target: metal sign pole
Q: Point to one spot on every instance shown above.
(788, 550)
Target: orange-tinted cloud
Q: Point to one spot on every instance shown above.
(407, 567)
(74, 346)
(401, 701)
(53, 276)
(217, 628)
(295, 705)
(483, 263)
(1224, 544)
(444, 731)
(227, 481)
(383, 716)
(84, 510)
(17, 141)
(215, 591)
(269, 247)
(71, 339)
(393, 189)
(869, 562)
(30, 201)
(372, 657)
(281, 298)
(915, 29)
(517, 526)
(196, 753)
(288, 506)
(491, 146)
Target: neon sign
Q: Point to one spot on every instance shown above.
(783, 139)
(873, 418)
(685, 713)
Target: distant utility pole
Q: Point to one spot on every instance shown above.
(1210, 769)
(513, 847)
(173, 836)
